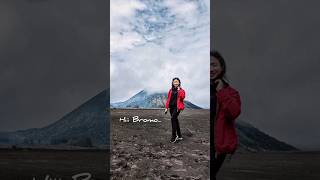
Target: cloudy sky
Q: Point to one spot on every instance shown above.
(153, 41)
(272, 53)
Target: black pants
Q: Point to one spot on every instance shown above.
(217, 163)
(174, 121)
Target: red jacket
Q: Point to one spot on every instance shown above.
(180, 98)
(228, 109)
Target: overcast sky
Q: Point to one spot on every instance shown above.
(53, 57)
(272, 52)
(153, 41)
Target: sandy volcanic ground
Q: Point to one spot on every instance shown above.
(141, 150)
(34, 164)
(272, 166)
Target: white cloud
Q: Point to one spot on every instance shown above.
(184, 10)
(162, 40)
(122, 13)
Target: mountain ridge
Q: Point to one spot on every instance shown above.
(144, 99)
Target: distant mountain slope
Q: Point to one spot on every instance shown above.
(84, 126)
(143, 99)
(253, 139)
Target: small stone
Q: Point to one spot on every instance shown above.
(189, 132)
(180, 170)
(176, 155)
(178, 162)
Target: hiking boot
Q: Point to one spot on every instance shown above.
(173, 139)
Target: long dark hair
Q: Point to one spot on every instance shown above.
(176, 78)
(222, 62)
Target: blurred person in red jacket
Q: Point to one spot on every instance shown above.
(175, 105)
(226, 104)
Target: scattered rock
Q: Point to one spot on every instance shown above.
(189, 132)
(178, 162)
(181, 170)
(193, 178)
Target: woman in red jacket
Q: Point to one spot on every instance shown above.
(175, 104)
(227, 108)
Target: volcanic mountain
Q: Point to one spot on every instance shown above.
(84, 126)
(144, 99)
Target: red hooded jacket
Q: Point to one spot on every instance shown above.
(180, 98)
(228, 109)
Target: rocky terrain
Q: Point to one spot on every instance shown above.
(141, 150)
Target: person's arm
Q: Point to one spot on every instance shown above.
(230, 103)
(167, 101)
(183, 95)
